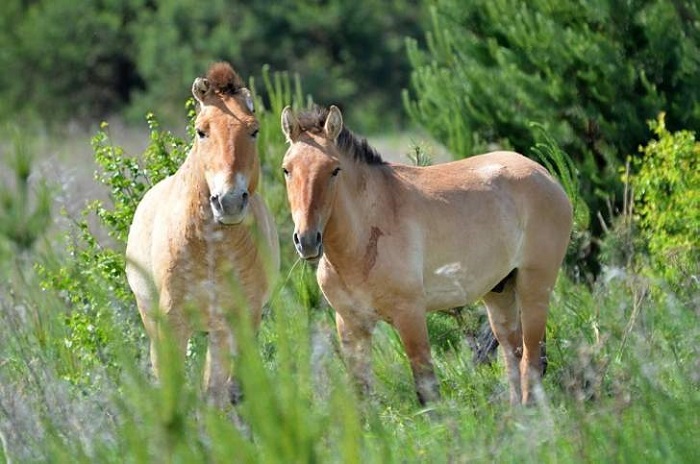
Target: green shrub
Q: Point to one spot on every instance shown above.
(134, 56)
(666, 185)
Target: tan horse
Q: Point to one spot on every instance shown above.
(203, 238)
(395, 241)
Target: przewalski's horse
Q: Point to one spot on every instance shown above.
(202, 243)
(396, 241)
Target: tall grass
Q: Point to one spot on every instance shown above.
(622, 386)
(75, 383)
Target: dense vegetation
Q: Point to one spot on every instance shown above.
(623, 382)
(133, 56)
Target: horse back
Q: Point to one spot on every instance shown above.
(477, 219)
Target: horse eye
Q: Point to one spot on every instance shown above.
(286, 173)
(255, 133)
(201, 134)
(335, 172)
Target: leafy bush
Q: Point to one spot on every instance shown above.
(666, 188)
(345, 52)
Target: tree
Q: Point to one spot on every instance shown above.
(67, 59)
(348, 53)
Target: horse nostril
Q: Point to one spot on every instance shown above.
(214, 198)
(244, 196)
(296, 238)
(318, 237)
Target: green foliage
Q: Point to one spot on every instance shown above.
(560, 165)
(25, 210)
(70, 59)
(419, 155)
(622, 383)
(589, 72)
(67, 59)
(666, 188)
(127, 178)
(348, 53)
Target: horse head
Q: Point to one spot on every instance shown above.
(311, 169)
(226, 129)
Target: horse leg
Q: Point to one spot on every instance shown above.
(533, 289)
(356, 346)
(413, 330)
(219, 385)
(503, 315)
(169, 346)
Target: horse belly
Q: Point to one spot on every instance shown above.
(459, 270)
(454, 285)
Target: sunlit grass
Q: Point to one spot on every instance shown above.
(299, 404)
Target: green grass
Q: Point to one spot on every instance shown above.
(622, 386)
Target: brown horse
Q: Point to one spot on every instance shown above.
(395, 241)
(202, 238)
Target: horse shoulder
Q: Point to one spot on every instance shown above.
(346, 297)
(139, 257)
(150, 226)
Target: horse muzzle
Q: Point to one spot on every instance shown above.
(309, 245)
(230, 208)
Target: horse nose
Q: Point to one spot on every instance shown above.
(309, 245)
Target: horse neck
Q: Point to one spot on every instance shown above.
(192, 185)
(355, 210)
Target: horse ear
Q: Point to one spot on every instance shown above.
(334, 123)
(200, 87)
(248, 97)
(290, 124)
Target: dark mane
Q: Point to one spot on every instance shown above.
(224, 79)
(348, 143)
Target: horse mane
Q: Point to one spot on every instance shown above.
(224, 79)
(358, 148)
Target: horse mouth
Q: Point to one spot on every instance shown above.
(229, 209)
(230, 219)
(313, 258)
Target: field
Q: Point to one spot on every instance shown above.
(75, 382)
